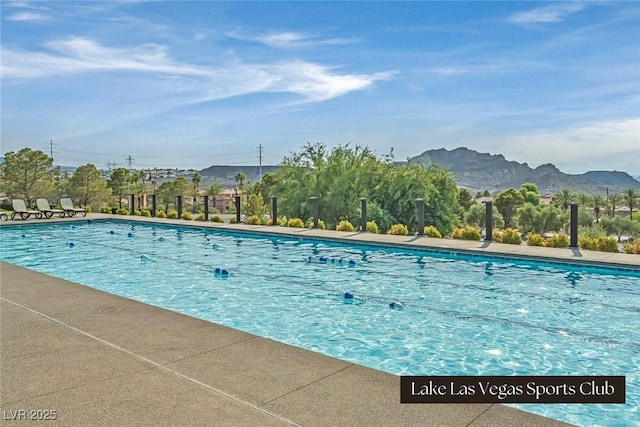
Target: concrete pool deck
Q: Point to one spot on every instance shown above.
(99, 359)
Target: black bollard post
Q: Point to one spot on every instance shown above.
(363, 209)
(238, 209)
(488, 221)
(314, 210)
(132, 205)
(153, 205)
(274, 210)
(206, 207)
(420, 203)
(574, 225)
(179, 206)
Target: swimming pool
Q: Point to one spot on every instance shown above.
(462, 315)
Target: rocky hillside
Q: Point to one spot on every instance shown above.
(484, 171)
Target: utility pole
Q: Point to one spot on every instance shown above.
(130, 161)
(260, 157)
(51, 144)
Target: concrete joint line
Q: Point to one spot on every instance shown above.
(151, 362)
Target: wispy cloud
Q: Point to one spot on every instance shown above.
(313, 82)
(546, 14)
(27, 17)
(289, 39)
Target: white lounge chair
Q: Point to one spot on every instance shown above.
(67, 205)
(44, 207)
(20, 208)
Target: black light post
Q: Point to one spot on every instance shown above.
(574, 225)
(132, 204)
(314, 210)
(488, 221)
(420, 203)
(179, 206)
(238, 209)
(363, 223)
(206, 207)
(274, 210)
(153, 205)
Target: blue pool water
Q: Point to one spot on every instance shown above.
(462, 315)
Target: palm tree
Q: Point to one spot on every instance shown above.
(241, 177)
(631, 196)
(563, 199)
(614, 201)
(597, 201)
(214, 190)
(583, 199)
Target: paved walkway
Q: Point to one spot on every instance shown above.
(99, 359)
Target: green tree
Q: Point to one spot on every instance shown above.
(266, 186)
(465, 200)
(585, 217)
(597, 201)
(196, 179)
(168, 191)
(241, 177)
(119, 182)
(620, 226)
(87, 187)
(613, 202)
(563, 199)
(214, 190)
(507, 203)
(583, 199)
(530, 193)
(477, 213)
(27, 174)
(631, 197)
(255, 206)
(344, 174)
(539, 219)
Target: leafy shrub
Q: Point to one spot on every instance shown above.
(509, 236)
(105, 209)
(186, 215)
(200, 217)
(122, 211)
(557, 241)
(172, 214)
(161, 214)
(265, 221)
(603, 244)
(282, 222)
(216, 218)
(592, 231)
(295, 222)
(345, 226)
(632, 248)
(535, 239)
(431, 231)
(372, 227)
(253, 220)
(137, 212)
(321, 224)
(398, 230)
(588, 243)
(88, 208)
(607, 244)
(467, 233)
(145, 212)
(233, 220)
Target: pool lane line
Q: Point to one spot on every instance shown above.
(153, 363)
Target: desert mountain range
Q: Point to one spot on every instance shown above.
(477, 172)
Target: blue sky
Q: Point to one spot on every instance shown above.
(191, 84)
